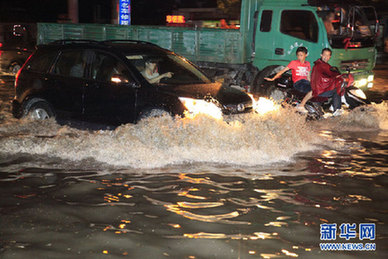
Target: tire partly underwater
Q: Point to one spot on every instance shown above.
(38, 109)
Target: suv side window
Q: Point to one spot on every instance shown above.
(41, 62)
(71, 63)
(299, 24)
(107, 68)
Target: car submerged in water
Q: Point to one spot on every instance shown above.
(116, 82)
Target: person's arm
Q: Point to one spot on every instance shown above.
(281, 72)
(328, 72)
(158, 78)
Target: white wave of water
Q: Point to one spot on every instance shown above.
(247, 140)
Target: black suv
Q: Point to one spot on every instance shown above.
(115, 82)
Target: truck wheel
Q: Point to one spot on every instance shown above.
(38, 109)
(277, 95)
(259, 85)
(14, 68)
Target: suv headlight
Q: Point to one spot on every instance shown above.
(197, 106)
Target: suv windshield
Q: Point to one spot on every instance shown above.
(167, 69)
(352, 26)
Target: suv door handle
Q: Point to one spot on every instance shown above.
(134, 85)
(279, 51)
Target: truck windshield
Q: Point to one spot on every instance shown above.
(350, 27)
(177, 70)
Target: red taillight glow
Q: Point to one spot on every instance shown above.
(20, 70)
(354, 45)
(17, 77)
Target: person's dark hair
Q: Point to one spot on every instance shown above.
(151, 60)
(326, 18)
(327, 49)
(302, 49)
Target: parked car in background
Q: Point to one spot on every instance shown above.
(17, 42)
(104, 82)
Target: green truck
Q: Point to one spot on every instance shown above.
(269, 33)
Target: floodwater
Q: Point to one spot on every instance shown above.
(247, 187)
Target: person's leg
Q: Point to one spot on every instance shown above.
(336, 99)
(307, 97)
(303, 86)
(328, 93)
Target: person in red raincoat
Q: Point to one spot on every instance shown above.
(324, 82)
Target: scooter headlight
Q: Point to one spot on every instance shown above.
(361, 82)
(371, 78)
(358, 93)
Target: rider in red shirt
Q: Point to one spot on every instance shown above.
(300, 69)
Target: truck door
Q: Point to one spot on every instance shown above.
(297, 28)
(263, 40)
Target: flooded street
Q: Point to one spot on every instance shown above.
(244, 187)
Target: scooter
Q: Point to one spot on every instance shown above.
(283, 91)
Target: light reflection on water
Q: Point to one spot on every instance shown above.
(54, 208)
(196, 211)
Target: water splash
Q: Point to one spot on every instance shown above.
(371, 117)
(248, 139)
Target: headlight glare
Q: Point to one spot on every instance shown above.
(358, 93)
(362, 82)
(198, 106)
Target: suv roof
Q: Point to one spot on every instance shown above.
(71, 41)
(120, 45)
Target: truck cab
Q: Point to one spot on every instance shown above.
(281, 27)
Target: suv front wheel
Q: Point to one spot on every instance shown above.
(38, 109)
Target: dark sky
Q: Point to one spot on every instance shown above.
(143, 11)
(99, 11)
(33, 10)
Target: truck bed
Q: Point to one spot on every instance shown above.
(198, 45)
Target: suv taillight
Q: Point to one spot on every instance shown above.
(16, 77)
(20, 70)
